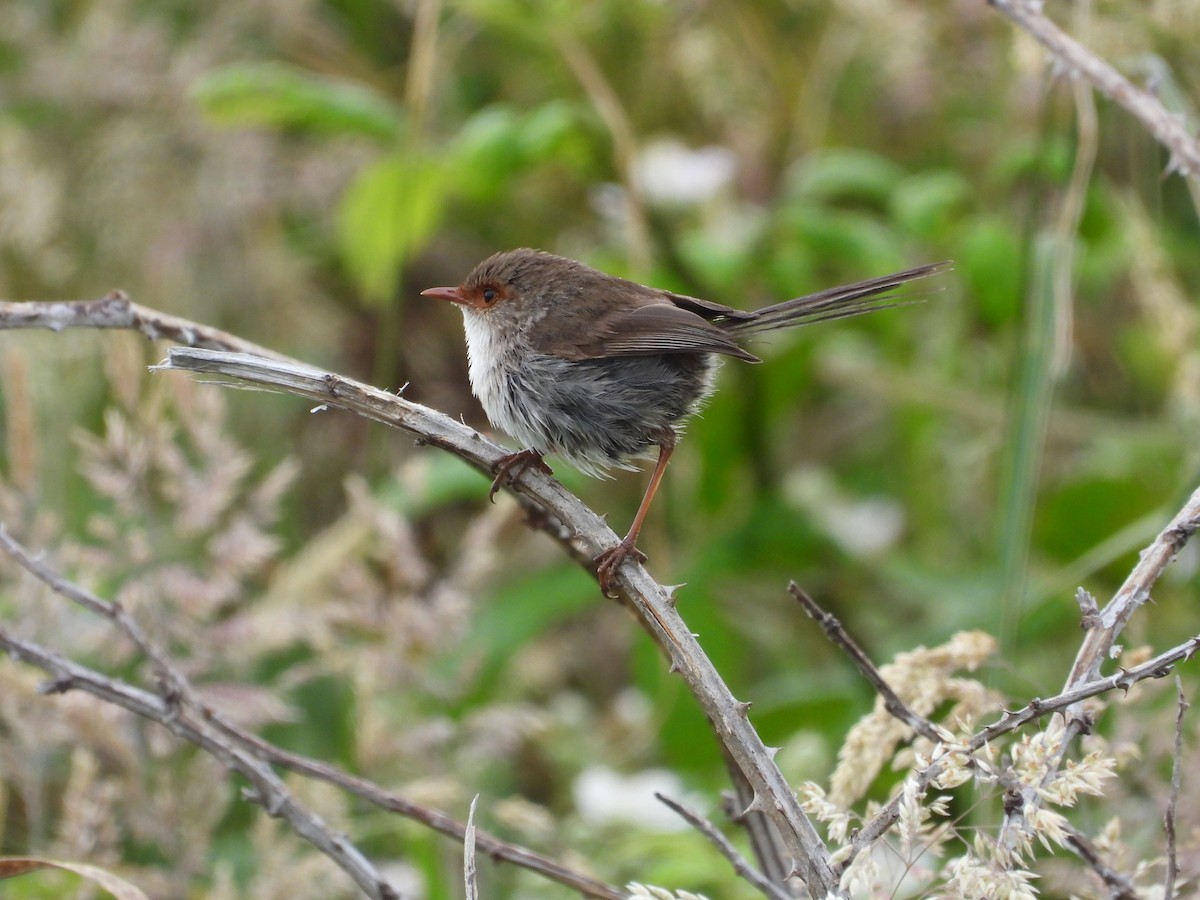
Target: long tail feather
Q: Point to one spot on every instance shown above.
(839, 302)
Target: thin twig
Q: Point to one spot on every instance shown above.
(470, 875)
(891, 700)
(1098, 641)
(1173, 797)
(741, 865)
(497, 849)
(1119, 886)
(115, 310)
(1168, 128)
(1158, 667)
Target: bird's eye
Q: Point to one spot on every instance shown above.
(489, 295)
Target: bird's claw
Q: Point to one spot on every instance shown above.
(610, 560)
(510, 468)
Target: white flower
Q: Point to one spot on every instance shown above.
(861, 527)
(671, 174)
(604, 796)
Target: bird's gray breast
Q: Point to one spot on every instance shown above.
(594, 412)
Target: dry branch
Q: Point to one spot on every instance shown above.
(891, 700)
(1173, 795)
(1169, 129)
(116, 310)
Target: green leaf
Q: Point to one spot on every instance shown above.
(518, 612)
(990, 260)
(924, 204)
(496, 143)
(444, 479)
(278, 95)
(841, 174)
(1027, 157)
(545, 129)
(484, 151)
(861, 241)
(387, 214)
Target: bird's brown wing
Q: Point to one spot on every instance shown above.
(654, 328)
(708, 310)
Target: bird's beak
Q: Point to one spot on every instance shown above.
(453, 294)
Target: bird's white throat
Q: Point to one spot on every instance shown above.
(483, 353)
(489, 364)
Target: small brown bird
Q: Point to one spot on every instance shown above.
(600, 370)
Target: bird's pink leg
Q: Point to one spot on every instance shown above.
(610, 560)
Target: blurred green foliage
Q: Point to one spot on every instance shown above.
(298, 173)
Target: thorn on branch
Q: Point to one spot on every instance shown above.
(756, 805)
(672, 592)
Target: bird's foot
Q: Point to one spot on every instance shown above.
(511, 467)
(610, 560)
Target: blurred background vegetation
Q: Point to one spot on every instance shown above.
(296, 172)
